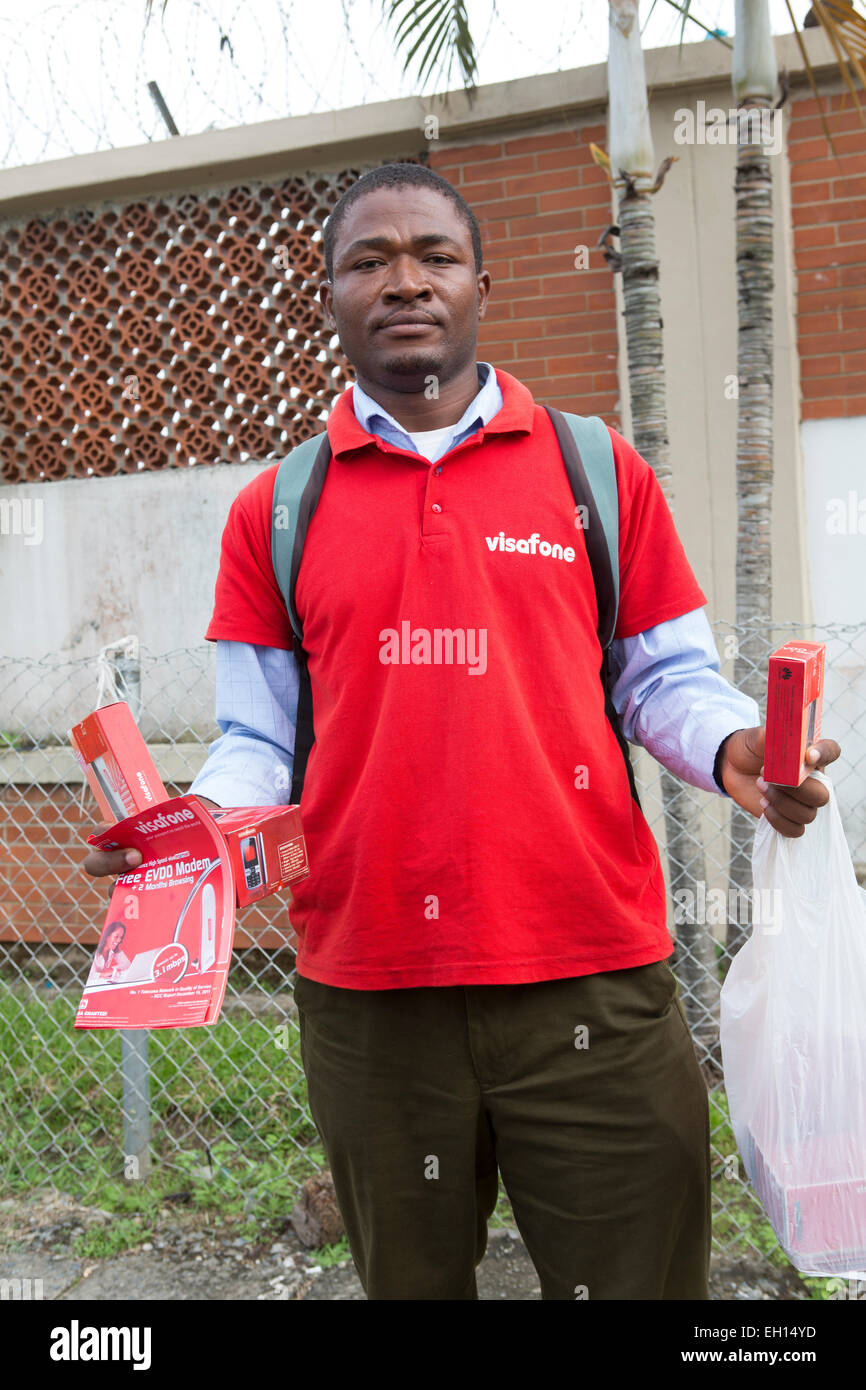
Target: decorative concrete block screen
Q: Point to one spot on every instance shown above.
(172, 331)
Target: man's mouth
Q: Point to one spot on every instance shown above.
(408, 325)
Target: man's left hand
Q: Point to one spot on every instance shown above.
(788, 809)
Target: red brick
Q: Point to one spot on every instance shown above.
(524, 226)
(820, 366)
(849, 188)
(491, 231)
(499, 168)
(819, 344)
(605, 381)
(597, 196)
(806, 237)
(817, 387)
(823, 410)
(853, 362)
(855, 405)
(829, 168)
(553, 262)
(564, 180)
(807, 151)
(576, 365)
(836, 256)
(506, 332)
(822, 298)
(484, 192)
(602, 301)
(468, 154)
(522, 288)
(818, 280)
(509, 207)
(569, 325)
(513, 246)
(854, 275)
(850, 231)
(547, 140)
(839, 122)
(805, 192)
(563, 159)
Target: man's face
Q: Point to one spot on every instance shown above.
(405, 300)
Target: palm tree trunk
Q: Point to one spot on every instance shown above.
(631, 156)
(754, 79)
(695, 957)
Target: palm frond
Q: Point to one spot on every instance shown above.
(811, 76)
(846, 30)
(688, 18)
(434, 30)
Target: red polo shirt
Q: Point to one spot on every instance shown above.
(466, 804)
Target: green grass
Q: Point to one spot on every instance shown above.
(60, 1090)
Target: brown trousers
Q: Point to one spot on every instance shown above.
(584, 1093)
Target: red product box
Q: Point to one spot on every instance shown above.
(266, 847)
(795, 691)
(820, 1218)
(116, 762)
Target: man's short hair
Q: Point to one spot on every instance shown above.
(398, 176)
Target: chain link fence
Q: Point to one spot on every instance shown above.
(223, 1110)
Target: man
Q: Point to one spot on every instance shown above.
(482, 978)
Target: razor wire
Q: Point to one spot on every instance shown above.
(228, 1107)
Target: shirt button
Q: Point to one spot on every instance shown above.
(435, 507)
(439, 469)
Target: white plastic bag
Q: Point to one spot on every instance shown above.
(793, 1036)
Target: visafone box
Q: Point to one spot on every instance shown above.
(165, 949)
(795, 690)
(816, 1201)
(116, 762)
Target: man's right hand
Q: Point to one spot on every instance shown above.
(102, 862)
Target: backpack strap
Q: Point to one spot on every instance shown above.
(297, 489)
(587, 453)
(588, 457)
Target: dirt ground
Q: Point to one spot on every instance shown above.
(190, 1255)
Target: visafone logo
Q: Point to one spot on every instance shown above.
(438, 646)
(531, 545)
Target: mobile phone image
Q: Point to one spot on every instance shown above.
(253, 860)
(110, 791)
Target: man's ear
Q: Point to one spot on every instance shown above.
(326, 294)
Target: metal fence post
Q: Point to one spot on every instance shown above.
(134, 1064)
(136, 1102)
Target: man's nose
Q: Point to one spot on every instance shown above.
(408, 278)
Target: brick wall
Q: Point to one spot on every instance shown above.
(829, 213)
(553, 326)
(46, 895)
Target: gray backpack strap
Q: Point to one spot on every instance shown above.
(587, 453)
(297, 489)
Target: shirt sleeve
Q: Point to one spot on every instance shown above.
(656, 580)
(251, 763)
(248, 604)
(673, 700)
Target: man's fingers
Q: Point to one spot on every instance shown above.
(800, 804)
(828, 751)
(793, 829)
(101, 862)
